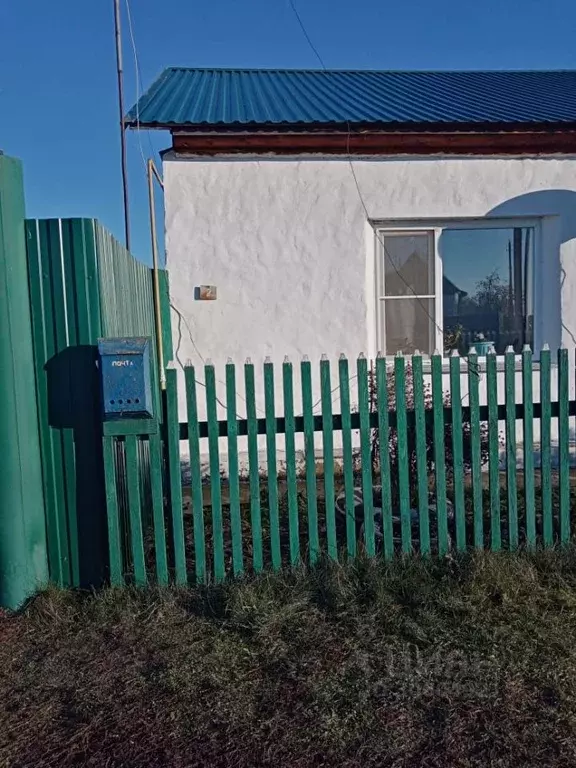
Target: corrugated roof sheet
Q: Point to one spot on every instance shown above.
(241, 97)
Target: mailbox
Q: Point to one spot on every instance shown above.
(125, 370)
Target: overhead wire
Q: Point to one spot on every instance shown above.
(181, 317)
(355, 178)
(138, 82)
(380, 240)
(305, 33)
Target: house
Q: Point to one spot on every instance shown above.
(363, 211)
(452, 297)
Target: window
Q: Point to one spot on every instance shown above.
(448, 287)
(407, 294)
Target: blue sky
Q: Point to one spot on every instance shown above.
(58, 107)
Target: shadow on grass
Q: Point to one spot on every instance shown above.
(420, 662)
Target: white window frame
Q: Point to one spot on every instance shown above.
(435, 227)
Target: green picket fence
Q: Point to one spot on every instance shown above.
(422, 467)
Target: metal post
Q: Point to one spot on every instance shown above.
(120, 77)
(156, 277)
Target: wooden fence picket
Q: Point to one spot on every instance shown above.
(475, 456)
(214, 463)
(563, 446)
(384, 441)
(233, 470)
(421, 454)
(195, 475)
(175, 479)
(253, 467)
(310, 461)
(545, 447)
(328, 457)
(402, 456)
(493, 452)
(457, 451)
(528, 447)
(511, 482)
(289, 444)
(344, 379)
(365, 457)
(271, 466)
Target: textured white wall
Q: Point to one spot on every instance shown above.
(289, 247)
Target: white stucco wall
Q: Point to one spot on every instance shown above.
(288, 245)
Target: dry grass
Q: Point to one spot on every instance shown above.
(464, 662)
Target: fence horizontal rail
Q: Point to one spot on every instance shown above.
(318, 422)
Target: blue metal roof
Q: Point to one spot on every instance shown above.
(218, 98)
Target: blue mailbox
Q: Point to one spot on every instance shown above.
(125, 369)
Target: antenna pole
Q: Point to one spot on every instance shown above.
(120, 77)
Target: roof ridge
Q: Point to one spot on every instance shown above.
(318, 70)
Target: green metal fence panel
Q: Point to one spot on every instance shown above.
(175, 480)
(66, 314)
(289, 444)
(215, 487)
(421, 453)
(476, 468)
(52, 458)
(233, 473)
(457, 451)
(253, 469)
(121, 276)
(493, 452)
(344, 382)
(402, 453)
(328, 456)
(271, 464)
(384, 441)
(66, 336)
(545, 446)
(83, 285)
(53, 478)
(23, 547)
(195, 474)
(511, 483)
(528, 446)
(164, 284)
(310, 461)
(82, 265)
(563, 446)
(126, 304)
(365, 457)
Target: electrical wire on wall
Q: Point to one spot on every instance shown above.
(380, 240)
(181, 317)
(182, 321)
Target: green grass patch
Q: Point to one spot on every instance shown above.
(468, 661)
